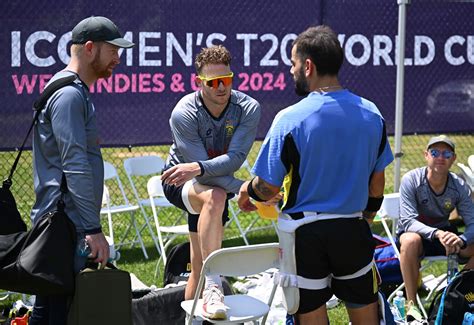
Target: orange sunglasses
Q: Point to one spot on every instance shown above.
(215, 81)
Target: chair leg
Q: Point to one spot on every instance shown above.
(139, 238)
(235, 217)
(422, 308)
(150, 229)
(135, 239)
(157, 269)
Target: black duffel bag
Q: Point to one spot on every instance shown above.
(40, 261)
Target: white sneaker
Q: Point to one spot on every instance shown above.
(213, 304)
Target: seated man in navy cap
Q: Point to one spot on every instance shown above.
(427, 197)
(65, 141)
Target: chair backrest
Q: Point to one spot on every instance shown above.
(154, 187)
(144, 165)
(106, 196)
(110, 173)
(390, 206)
(470, 162)
(467, 175)
(242, 260)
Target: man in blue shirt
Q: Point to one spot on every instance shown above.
(329, 152)
(65, 141)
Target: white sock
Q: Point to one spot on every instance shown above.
(213, 280)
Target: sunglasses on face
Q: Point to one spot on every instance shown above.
(447, 154)
(214, 82)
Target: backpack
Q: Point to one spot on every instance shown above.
(449, 305)
(387, 262)
(178, 264)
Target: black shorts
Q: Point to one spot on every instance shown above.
(174, 195)
(340, 247)
(434, 247)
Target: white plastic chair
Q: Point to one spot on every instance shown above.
(470, 162)
(145, 166)
(111, 175)
(166, 234)
(390, 210)
(467, 174)
(236, 261)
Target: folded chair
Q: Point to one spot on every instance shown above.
(390, 210)
(236, 261)
(123, 206)
(136, 168)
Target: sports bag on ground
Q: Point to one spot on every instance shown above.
(102, 297)
(386, 260)
(178, 264)
(450, 305)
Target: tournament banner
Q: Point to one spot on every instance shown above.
(134, 104)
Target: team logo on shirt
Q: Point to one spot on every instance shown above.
(229, 128)
(448, 205)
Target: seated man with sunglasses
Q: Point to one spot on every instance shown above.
(427, 197)
(213, 130)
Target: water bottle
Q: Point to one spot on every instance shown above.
(468, 318)
(452, 266)
(83, 249)
(399, 302)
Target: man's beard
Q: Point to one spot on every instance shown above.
(100, 70)
(301, 84)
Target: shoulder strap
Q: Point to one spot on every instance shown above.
(38, 107)
(51, 89)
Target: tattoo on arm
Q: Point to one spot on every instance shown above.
(263, 189)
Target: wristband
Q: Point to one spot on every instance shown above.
(374, 204)
(202, 168)
(93, 231)
(464, 243)
(252, 193)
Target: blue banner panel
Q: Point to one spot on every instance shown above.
(134, 104)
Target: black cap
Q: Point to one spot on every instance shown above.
(98, 29)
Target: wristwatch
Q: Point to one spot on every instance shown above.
(464, 243)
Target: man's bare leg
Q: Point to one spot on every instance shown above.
(210, 202)
(196, 266)
(367, 315)
(315, 317)
(411, 249)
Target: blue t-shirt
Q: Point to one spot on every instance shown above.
(323, 150)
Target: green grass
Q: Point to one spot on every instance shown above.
(132, 259)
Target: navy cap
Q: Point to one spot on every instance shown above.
(98, 29)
